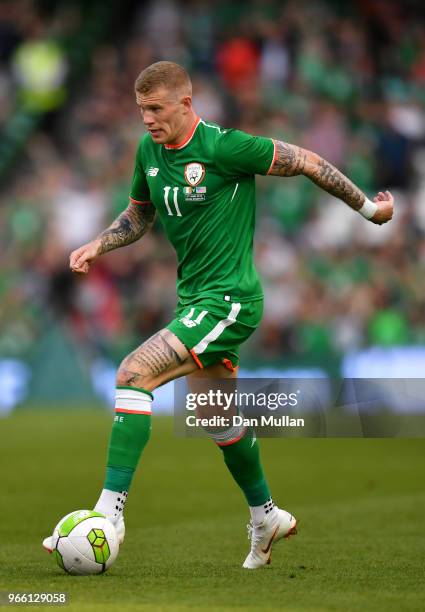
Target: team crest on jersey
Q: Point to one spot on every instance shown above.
(194, 173)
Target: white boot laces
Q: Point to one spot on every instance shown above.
(254, 535)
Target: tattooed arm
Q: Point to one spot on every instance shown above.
(291, 160)
(135, 221)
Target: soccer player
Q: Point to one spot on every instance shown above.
(199, 178)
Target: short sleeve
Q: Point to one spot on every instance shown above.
(240, 153)
(139, 192)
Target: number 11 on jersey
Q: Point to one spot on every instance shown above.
(175, 202)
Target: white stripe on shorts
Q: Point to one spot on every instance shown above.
(217, 330)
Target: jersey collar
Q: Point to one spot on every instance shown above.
(188, 137)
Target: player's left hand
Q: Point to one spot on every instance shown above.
(385, 203)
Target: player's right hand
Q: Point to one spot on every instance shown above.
(80, 259)
(385, 203)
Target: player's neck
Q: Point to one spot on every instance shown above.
(186, 131)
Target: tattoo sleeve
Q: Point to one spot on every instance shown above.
(132, 223)
(291, 160)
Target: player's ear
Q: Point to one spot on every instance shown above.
(187, 103)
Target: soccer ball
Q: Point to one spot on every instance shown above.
(85, 542)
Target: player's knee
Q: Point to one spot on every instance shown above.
(130, 375)
(156, 361)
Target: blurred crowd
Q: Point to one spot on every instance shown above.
(343, 79)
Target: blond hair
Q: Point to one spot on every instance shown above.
(163, 74)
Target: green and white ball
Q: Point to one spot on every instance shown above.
(85, 542)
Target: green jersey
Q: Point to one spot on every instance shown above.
(204, 193)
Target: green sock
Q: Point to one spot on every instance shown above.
(130, 434)
(243, 460)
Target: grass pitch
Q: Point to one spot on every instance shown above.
(360, 504)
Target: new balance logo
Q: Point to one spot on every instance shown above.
(153, 171)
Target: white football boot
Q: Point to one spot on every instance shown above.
(120, 528)
(48, 544)
(279, 524)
